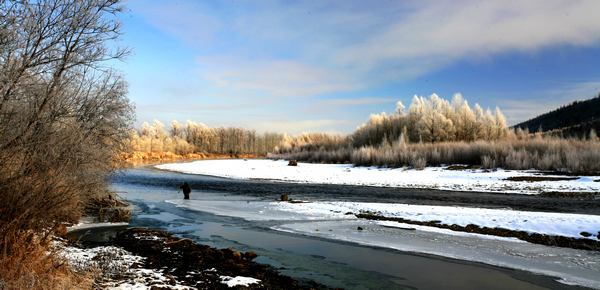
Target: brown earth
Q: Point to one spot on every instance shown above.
(539, 178)
(201, 266)
(461, 167)
(135, 156)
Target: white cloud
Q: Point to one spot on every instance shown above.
(274, 57)
(440, 33)
(297, 127)
(309, 48)
(354, 102)
(278, 78)
(186, 20)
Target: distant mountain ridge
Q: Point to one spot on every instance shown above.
(573, 120)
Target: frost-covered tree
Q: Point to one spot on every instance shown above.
(434, 125)
(467, 128)
(176, 130)
(593, 137)
(159, 131)
(400, 109)
(145, 130)
(415, 111)
(500, 124)
(489, 131)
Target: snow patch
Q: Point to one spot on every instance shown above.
(344, 174)
(239, 280)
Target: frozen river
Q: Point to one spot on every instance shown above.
(317, 242)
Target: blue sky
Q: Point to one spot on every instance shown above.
(301, 66)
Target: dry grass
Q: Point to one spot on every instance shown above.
(549, 153)
(29, 263)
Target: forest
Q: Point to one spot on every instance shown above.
(198, 138)
(436, 132)
(432, 132)
(431, 120)
(576, 119)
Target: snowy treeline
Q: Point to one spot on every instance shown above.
(428, 120)
(435, 132)
(433, 120)
(198, 138)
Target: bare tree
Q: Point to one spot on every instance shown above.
(64, 114)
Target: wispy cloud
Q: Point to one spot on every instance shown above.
(300, 126)
(311, 58)
(308, 48)
(523, 106)
(186, 20)
(354, 102)
(438, 34)
(279, 78)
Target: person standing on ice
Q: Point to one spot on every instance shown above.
(186, 190)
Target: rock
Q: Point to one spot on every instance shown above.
(293, 163)
(250, 255)
(360, 228)
(585, 234)
(237, 256)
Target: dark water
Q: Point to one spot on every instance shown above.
(336, 264)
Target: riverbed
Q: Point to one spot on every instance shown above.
(310, 254)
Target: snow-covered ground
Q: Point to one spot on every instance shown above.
(331, 220)
(431, 177)
(114, 261)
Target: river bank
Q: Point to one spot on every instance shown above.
(223, 213)
(569, 221)
(159, 156)
(140, 258)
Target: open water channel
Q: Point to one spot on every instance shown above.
(334, 263)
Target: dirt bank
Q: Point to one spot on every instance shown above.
(136, 157)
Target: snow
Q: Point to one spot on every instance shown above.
(557, 224)
(431, 177)
(90, 223)
(118, 261)
(330, 220)
(239, 280)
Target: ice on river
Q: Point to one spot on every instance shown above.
(431, 177)
(331, 220)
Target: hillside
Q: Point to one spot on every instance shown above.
(575, 119)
